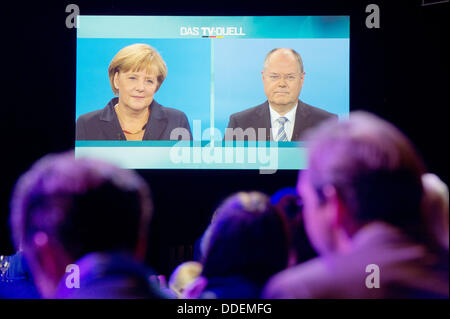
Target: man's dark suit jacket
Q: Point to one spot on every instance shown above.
(306, 117)
(103, 125)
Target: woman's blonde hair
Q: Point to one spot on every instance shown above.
(137, 57)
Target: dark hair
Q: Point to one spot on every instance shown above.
(374, 168)
(83, 204)
(296, 55)
(248, 237)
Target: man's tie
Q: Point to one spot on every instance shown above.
(282, 136)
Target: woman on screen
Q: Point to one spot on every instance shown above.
(136, 73)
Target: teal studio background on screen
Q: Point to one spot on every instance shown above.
(211, 75)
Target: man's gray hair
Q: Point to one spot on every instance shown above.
(295, 53)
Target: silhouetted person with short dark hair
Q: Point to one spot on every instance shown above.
(83, 212)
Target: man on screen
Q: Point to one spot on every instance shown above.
(283, 117)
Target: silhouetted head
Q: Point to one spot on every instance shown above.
(361, 170)
(247, 237)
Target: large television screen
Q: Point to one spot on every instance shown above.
(230, 97)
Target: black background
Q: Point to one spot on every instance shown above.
(399, 72)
